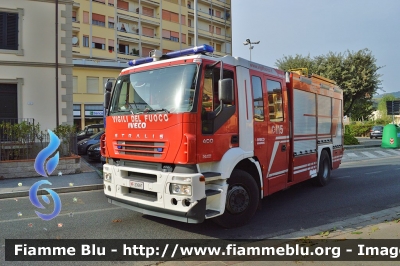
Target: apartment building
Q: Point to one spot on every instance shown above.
(36, 62)
(109, 33)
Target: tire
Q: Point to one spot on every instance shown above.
(242, 200)
(370, 137)
(324, 170)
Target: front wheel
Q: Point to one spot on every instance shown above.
(324, 171)
(242, 200)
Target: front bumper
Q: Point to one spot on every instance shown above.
(195, 215)
(153, 195)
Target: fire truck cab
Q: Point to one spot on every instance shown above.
(191, 137)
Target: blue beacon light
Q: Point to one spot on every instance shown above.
(193, 50)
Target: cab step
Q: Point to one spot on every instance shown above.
(211, 213)
(212, 192)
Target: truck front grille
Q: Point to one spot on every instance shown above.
(140, 148)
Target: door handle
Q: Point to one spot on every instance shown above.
(283, 147)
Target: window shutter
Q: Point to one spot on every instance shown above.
(183, 19)
(122, 5)
(166, 15)
(148, 32)
(86, 17)
(98, 40)
(8, 31)
(174, 17)
(148, 11)
(183, 38)
(98, 17)
(166, 34)
(92, 85)
(146, 51)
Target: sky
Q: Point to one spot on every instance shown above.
(316, 27)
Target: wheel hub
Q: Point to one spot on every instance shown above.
(238, 200)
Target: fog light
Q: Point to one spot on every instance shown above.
(181, 189)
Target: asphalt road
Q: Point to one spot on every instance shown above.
(356, 188)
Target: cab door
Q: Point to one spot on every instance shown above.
(278, 134)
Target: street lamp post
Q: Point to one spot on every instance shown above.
(248, 42)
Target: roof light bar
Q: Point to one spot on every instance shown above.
(193, 50)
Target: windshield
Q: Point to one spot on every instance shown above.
(169, 89)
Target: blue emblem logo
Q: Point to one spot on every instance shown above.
(50, 167)
(35, 201)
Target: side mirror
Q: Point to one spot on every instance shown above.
(108, 86)
(225, 91)
(107, 97)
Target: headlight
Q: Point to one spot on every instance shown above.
(107, 177)
(181, 189)
(97, 148)
(82, 143)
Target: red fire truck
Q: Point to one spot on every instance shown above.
(191, 137)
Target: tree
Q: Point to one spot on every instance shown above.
(354, 72)
(382, 105)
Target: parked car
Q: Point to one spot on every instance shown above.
(89, 131)
(83, 145)
(376, 132)
(93, 152)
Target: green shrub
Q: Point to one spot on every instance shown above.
(350, 140)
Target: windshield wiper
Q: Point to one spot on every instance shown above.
(157, 110)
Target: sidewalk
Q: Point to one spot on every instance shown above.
(89, 179)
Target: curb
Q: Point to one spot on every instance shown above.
(57, 190)
(353, 147)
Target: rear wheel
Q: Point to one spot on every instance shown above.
(242, 200)
(324, 172)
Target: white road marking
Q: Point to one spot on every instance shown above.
(351, 155)
(382, 153)
(394, 151)
(370, 155)
(370, 173)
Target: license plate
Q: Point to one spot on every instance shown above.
(136, 184)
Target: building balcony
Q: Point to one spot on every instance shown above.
(221, 4)
(209, 18)
(76, 26)
(153, 41)
(153, 3)
(128, 36)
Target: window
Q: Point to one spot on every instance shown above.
(110, 45)
(211, 28)
(85, 41)
(111, 2)
(75, 84)
(211, 103)
(274, 101)
(189, 22)
(218, 47)
(147, 11)
(183, 38)
(170, 35)
(10, 32)
(85, 17)
(74, 16)
(211, 11)
(218, 30)
(218, 13)
(8, 101)
(146, 51)
(122, 5)
(149, 32)
(111, 24)
(257, 98)
(92, 85)
(99, 20)
(173, 17)
(98, 43)
(123, 49)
